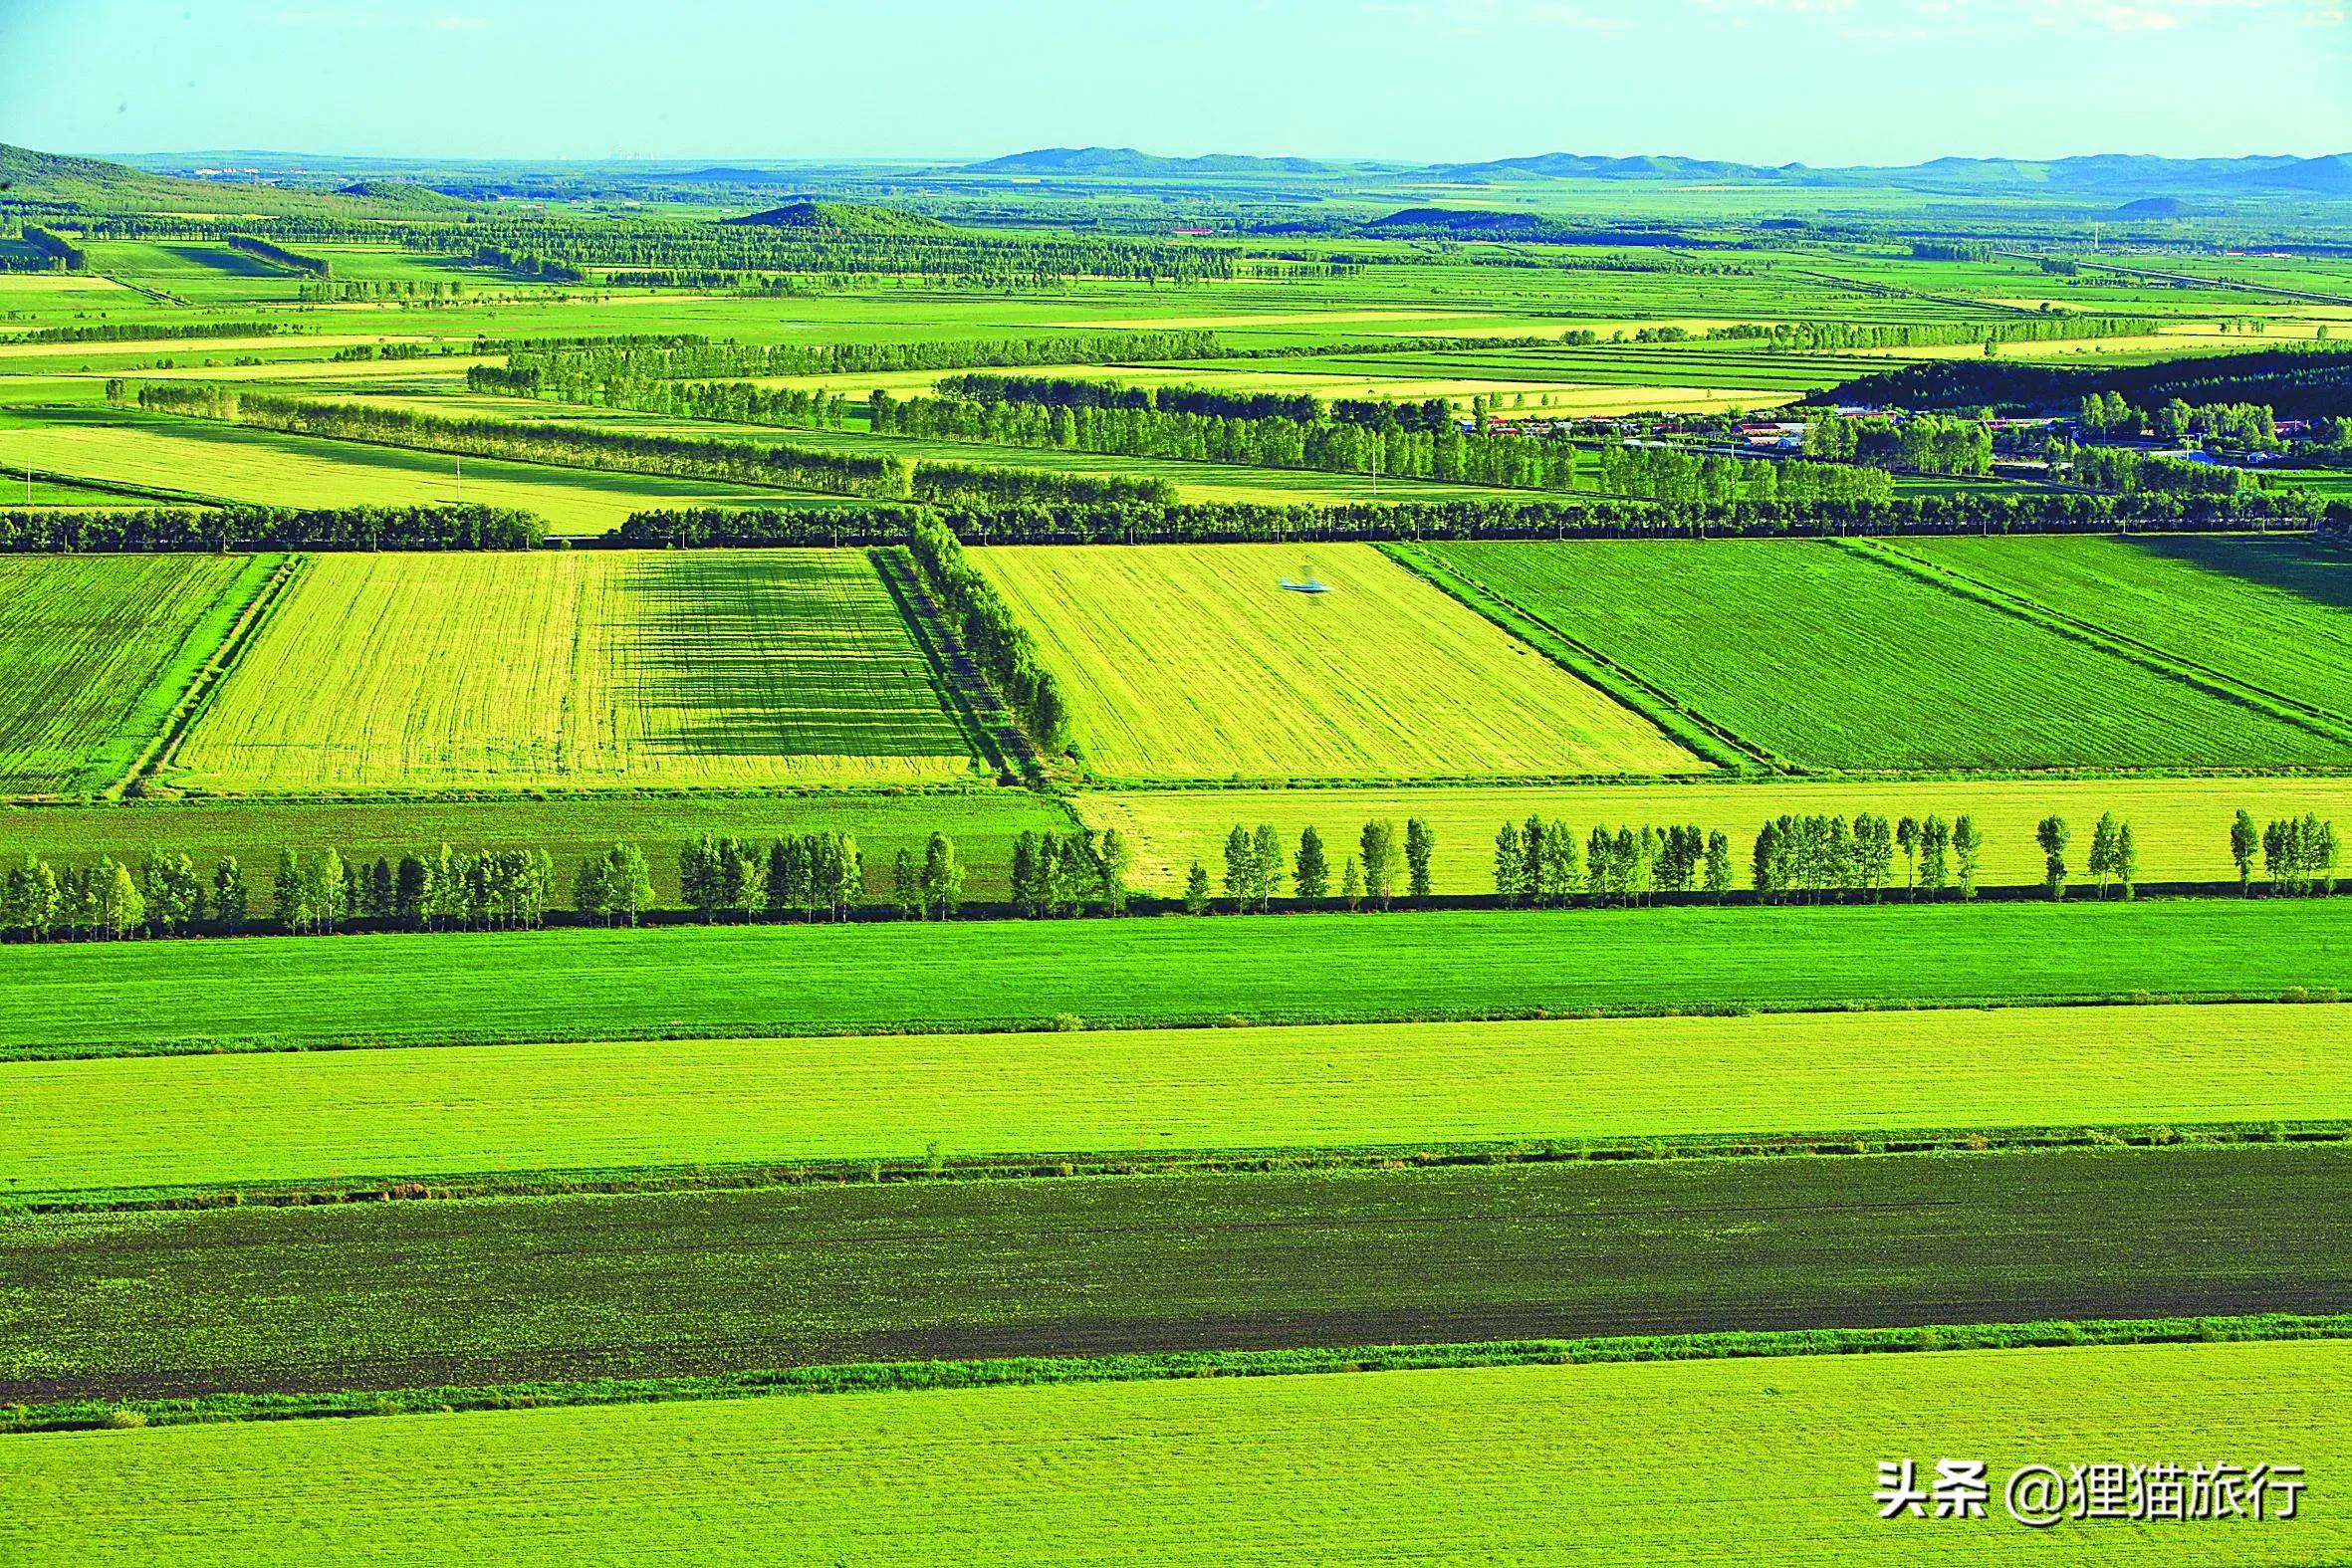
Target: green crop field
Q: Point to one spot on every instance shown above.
(213, 1121)
(94, 653)
(1065, 1187)
(423, 671)
(216, 462)
(745, 981)
(2274, 614)
(151, 1305)
(1817, 654)
(1194, 662)
(2181, 826)
(1731, 1461)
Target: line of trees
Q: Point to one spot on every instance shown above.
(279, 255)
(1542, 864)
(467, 527)
(1586, 517)
(56, 250)
(526, 263)
(1323, 445)
(617, 371)
(1810, 335)
(881, 477)
(1922, 443)
(140, 331)
(1061, 876)
(1671, 475)
(2300, 853)
(991, 634)
(1257, 864)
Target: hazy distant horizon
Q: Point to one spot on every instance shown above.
(1827, 82)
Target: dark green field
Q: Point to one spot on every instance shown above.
(103, 999)
(388, 1295)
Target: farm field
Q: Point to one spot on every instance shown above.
(2182, 826)
(215, 462)
(1898, 675)
(1685, 1460)
(94, 653)
(99, 999)
(1194, 662)
(470, 1111)
(2274, 614)
(175, 1304)
(982, 822)
(496, 670)
(328, 1117)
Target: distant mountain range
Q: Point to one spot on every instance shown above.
(2104, 176)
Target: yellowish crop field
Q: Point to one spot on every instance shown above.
(213, 461)
(381, 672)
(1194, 661)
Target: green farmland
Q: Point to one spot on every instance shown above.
(1454, 1465)
(1895, 673)
(577, 669)
(95, 655)
(212, 1121)
(1407, 848)
(313, 1300)
(99, 999)
(1194, 662)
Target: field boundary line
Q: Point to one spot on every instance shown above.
(992, 734)
(844, 1377)
(1116, 1023)
(1713, 743)
(1098, 1165)
(258, 613)
(2158, 661)
(188, 669)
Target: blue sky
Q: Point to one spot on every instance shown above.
(1764, 81)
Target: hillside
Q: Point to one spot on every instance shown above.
(50, 179)
(1126, 161)
(842, 217)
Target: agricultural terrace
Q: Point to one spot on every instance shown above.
(2181, 826)
(216, 1120)
(389, 672)
(1705, 1460)
(94, 653)
(1187, 662)
(134, 997)
(1832, 657)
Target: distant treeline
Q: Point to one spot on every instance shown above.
(526, 263)
(293, 260)
(565, 369)
(270, 528)
(1973, 512)
(1672, 474)
(1323, 445)
(879, 478)
(56, 250)
(1813, 336)
(134, 331)
(2296, 383)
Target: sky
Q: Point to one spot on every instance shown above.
(1823, 81)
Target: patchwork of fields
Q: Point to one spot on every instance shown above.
(424, 672)
(973, 1225)
(1196, 662)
